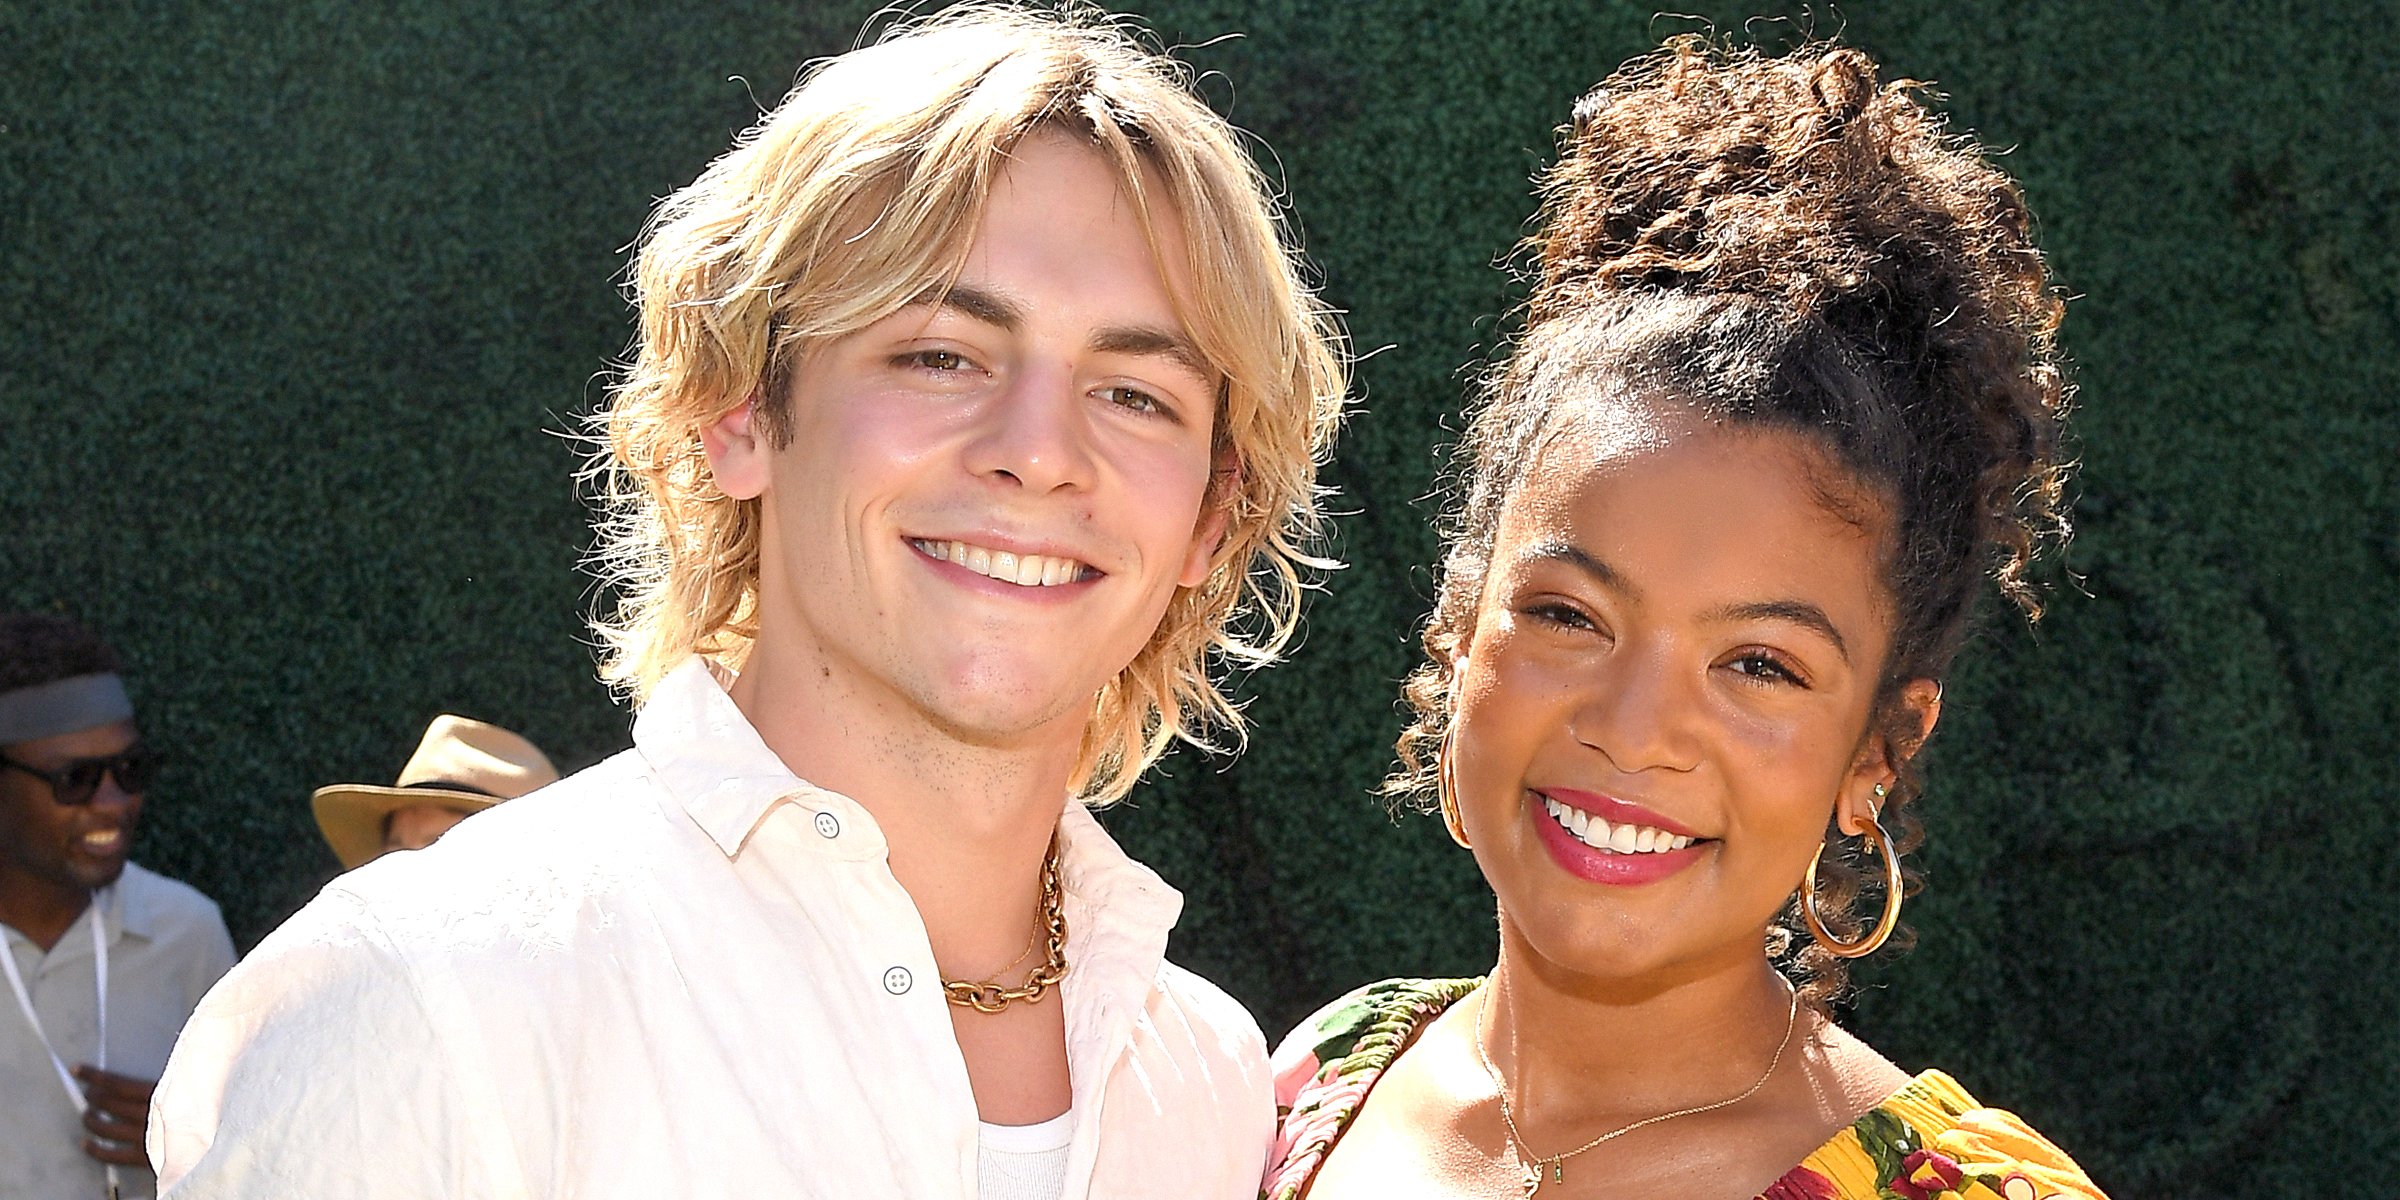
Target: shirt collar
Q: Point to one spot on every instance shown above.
(1094, 870)
(707, 755)
(713, 762)
(132, 906)
(126, 906)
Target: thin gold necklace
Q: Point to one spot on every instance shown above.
(1533, 1164)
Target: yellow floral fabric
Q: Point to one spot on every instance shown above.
(1932, 1141)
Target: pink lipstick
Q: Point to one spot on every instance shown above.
(1612, 867)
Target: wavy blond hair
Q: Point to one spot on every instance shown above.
(857, 194)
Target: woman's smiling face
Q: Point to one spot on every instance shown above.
(1674, 657)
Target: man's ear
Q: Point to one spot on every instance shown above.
(1224, 484)
(737, 454)
(1879, 762)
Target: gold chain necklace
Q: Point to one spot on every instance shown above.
(986, 995)
(1533, 1164)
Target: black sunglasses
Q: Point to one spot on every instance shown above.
(79, 780)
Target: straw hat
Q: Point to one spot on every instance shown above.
(464, 765)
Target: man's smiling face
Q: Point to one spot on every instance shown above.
(68, 847)
(982, 504)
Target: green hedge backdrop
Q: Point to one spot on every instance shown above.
(298, 301)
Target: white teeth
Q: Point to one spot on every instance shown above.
(1616, 839)
(1024, 570)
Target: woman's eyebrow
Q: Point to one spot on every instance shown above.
(1561, 550)
(1796, 612)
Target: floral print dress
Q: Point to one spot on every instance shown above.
(1929, 1141)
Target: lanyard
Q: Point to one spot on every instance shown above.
(16, 983)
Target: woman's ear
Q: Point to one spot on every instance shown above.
(1880, 760)
(737, 455)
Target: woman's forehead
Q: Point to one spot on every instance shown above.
(1653, 492)
(1605, 428)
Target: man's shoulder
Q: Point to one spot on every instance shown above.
(167, 896)
(1203, 1063)
(526, 870)
(603, 801)
(172, 913)
(1208, 1014)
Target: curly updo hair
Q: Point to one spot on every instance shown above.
(1786, 242)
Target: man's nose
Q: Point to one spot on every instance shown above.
(111, 796)
(1037, 432)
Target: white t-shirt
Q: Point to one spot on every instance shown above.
(1025, 1162)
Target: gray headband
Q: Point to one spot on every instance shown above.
(30, 714)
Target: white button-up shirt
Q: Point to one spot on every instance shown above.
(683, 972)
(166, 945)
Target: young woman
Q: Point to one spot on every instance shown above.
(1786, 395)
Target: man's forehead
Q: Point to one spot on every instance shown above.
(99, 741)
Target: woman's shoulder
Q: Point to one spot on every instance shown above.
(1362, 1026)
(1931, 1140)
(1327, 1063)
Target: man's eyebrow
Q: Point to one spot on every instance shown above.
(1150, 340)
(989, 307)
(1006, 313)
(1796, 612)
(1563, 551)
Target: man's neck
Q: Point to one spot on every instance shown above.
(41, 909)
(967, 824)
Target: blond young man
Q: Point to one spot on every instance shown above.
(977, 391)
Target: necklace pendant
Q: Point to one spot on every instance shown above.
(1532, 1171)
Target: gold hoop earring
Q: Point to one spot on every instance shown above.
(1881, 844)
(1447, 791)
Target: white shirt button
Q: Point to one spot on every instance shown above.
(896, 981)
(829, 825)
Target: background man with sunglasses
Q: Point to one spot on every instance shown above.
(104, 960)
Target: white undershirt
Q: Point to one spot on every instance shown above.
(1024, 1162)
